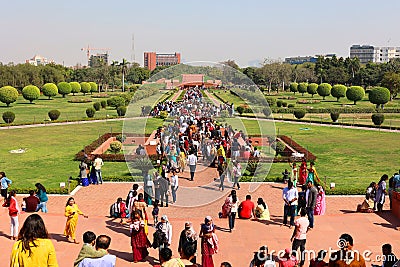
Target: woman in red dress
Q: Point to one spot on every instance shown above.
(303, 172)
(209, 242)
(139, 240)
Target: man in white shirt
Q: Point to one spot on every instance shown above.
(102, 243)
(192, 161)
(174, 185)
(300, 234)
(98, 163)
(290, 196)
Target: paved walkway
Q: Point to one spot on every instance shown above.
(370, 231)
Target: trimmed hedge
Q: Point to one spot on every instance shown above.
(90, 112)
(8, 117)
(97, 106)
(54, 114)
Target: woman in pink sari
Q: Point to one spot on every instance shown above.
(320, 206)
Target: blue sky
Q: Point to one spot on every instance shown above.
(246, 31)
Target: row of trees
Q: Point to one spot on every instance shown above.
(377, 95)
(106, 76)
(9, 94)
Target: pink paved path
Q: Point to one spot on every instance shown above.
(370, 231)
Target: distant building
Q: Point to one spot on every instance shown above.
(153, 59)
(376, 54)
(38, 60)
(98, 59)
(301, 60)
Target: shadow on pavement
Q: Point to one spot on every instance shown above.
(59, 237)
(392, 220)
(127, 256)
(117, 227)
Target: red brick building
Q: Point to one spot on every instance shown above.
(153, 59)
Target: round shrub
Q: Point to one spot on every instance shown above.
(115, 147)
(290, 106)
(75, 87)
(85, 87)
(121, 138)
(280, 147)
(284, 104)
(271, 101)
(312, 89)
(335, 116)
(8, 117)
(293, 87)
(302, 88)
(355, 93)
(54, 114)
(267, 112)
(31, 92)
(240, 110)
(299, 113)
(116, 101)
(49, 90)
(90, 112)
(379, 96)
(378, 118)
(338, 91)
(93, 87)
(103, 103)
(279, 103)
(8, 95)
(121, 111)
(324, 89)
(97, 106)
(64, 88)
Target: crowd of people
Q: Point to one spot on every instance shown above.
(90, 170)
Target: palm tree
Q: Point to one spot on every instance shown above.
(124, 69)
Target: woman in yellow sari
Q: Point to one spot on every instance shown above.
(72, 213)
(182, 160)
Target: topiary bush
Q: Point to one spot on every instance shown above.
(335, 116)
(121, 111)
(103, 103)
(280, 148)
(116, 101)
(312, 89)
(324, 90)
(49, 90)
(293, 87)
(379, 96)
(267, 112)
(97, 106)
(8, 117)
(290, 106)
(115, 147)
(93, 87)
(299, 113)
(378, 118)
(75, 87)
(8, 95)
(54, 114)
(271, 101)
(355, 93)
(284, 104)
(302, 88)
(30, 93)
(85, 87)
(279, 103)
(64, 88)
(90, 112)
(240, 110)
(338, 91)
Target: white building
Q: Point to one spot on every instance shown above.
(39, 60)
(376, 54)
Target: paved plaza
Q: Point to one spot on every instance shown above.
(370, 231)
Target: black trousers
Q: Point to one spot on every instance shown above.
(299, 243)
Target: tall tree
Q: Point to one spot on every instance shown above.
(124, 68)
(391, 81)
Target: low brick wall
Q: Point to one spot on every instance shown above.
(104, 146)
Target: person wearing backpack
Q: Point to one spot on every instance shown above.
(165, 227)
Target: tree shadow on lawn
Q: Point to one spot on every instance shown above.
(117, 227)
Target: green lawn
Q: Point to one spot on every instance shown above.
(26, 113)
(349, 157)
(51, 149)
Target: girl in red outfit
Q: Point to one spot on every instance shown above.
(13, 211)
